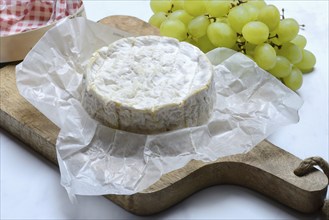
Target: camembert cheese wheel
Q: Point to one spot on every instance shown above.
(148, 85)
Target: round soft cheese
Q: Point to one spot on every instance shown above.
(149, 84)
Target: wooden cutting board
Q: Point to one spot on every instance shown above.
(266, 169)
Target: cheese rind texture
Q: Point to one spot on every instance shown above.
(148, 85)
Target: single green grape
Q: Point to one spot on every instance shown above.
(181, 15)
(308, 61)
(258, 3)
(204, 44)
(290, 51)
(198, 26)
(300, 41)
(295, 80)
(270, 16)
(265, 56)
(217, 8)
(174, 28)
(252, 10)
(221, 35)
(194, 7)
(255, 32)
(157, 19)
(160, 5)
(287, 29)
(282, 67)
(238, 17)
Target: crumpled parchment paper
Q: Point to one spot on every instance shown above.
(97, 160)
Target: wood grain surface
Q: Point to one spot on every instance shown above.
(266, 169)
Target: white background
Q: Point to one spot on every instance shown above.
(30, 186)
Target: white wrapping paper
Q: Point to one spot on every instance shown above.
(97, 160)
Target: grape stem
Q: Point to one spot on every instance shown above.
(275, 45)
(241, 2)
(275, 36)
(213, 19)
(241, 43)
(238, 2)
(282, 16)
(171, 9)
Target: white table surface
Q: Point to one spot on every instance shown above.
(30, 186)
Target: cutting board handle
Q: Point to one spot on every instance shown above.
(306, 166)
(266, 169)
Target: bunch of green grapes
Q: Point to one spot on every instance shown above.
(252, 27)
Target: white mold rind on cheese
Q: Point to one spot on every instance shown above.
(148, 85)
